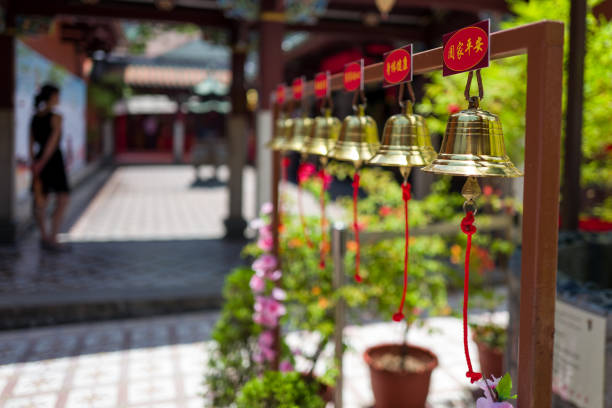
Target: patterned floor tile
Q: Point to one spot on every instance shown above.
(151, 390)
(94, 397)
(36, 401)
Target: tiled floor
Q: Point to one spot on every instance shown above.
(159, 363)
(152, 233)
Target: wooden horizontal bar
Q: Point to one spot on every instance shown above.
(504, 43)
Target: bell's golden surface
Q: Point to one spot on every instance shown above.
(473, 145)
(358, 139)
(405, 141)
(298, 131)
(323, 136)
(282, 128)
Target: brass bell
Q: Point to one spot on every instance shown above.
(282, 128)
(358, 139)
(323, 135)
(298, 131)
(473, 145)
(405, 141)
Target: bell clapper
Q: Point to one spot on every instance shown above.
(405, 171)
(470, 191)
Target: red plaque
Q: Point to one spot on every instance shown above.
(297, 88)
(280, 94)
(397, 66)
(353, 75)
(466, 49)
(321, 84)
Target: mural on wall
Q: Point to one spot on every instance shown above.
(32, 70)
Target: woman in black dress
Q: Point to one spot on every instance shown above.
(49, 174)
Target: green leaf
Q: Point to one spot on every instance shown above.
(504, 388)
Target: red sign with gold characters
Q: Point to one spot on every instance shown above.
(353, 75)
(397, 66)
(280, 94)
(321, 84)
(297, 88)
(466, 49)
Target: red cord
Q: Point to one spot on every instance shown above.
(356, 226)
(468, 228)
(285, 162)
(301, 210)
(399, 315)
(323, 248)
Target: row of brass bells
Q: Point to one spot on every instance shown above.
(473, 146)
(324, 134)
(358, 139)
(405, 142)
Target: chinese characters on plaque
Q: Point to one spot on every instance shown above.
(466, 49)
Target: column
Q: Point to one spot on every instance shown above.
(237, 126)
(8, 229)
(271, 30)
(178, 136)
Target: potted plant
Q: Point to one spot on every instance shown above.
(490, 337)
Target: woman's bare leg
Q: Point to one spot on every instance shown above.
(58, 215)
(40, 206)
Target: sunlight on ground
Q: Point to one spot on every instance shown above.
(153, 203)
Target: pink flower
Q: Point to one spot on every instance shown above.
(279, 294)
(305, 171)
(267, 311)
(266, 339)
(384, 211)
(267, 208)
(265, 263)
(276, 275)
(265, 243)
(488, 401)
(257, 223)
(257, 283)
(285, 366)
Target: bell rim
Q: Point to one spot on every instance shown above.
(445, 166)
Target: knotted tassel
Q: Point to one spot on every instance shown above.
(356, 226)
(468, 228)
(399, 315)
(323, 248)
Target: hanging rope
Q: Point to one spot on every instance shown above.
(323, 247)
(285, 162)
(468, 228)
(356, 226)
(399, 315)
(301, 207)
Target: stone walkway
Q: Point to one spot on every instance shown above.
(149, 242)
(160, 362)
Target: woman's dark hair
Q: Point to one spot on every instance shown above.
(45, 93)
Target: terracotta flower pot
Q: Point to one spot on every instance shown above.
(400, 389)
(491, 360)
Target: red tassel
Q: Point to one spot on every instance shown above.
(356, 226)
(399, 315)
(468, 228)
(285, 162)
(301, 210)
(323, 248)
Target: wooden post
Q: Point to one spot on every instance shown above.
(571, 193)
(540, 215)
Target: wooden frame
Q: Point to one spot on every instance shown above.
(542, 42)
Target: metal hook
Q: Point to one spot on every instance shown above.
(400, 94)
(469, 84)
(356, 95)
